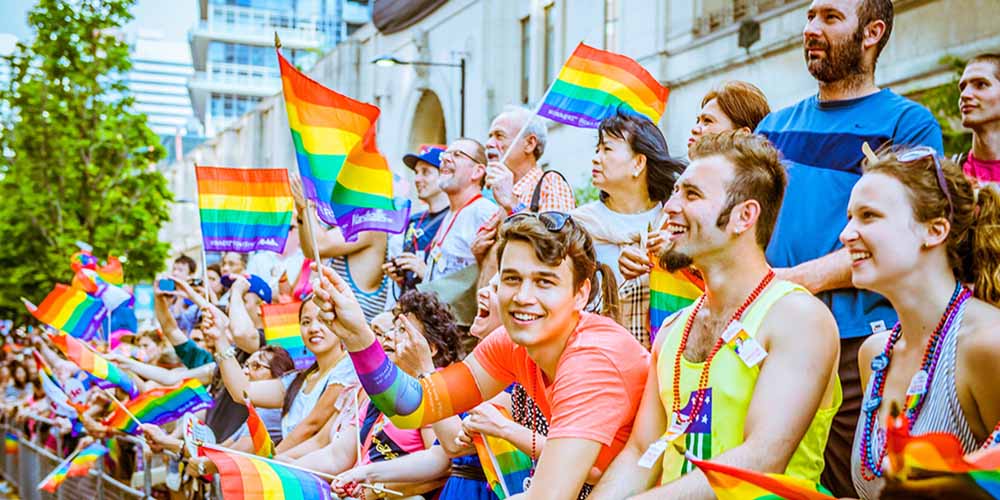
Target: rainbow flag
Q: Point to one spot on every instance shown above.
(733, 483)
(262, 444)
(281, 328)
(245, 478)
(91, 362)
(342, 170)
(594, 83)
(505, 466)
(161, 405)
(77, 465)
(244, 209)
(669, 293)
(112, 271)
(10, 443)
(70, 310)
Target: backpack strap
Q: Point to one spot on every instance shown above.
(537, 194)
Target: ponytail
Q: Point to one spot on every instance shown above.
(604, 292)
(986, 246)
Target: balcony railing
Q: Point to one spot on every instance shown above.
(242, 75)
(242, 21)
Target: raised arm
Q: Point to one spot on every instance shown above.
(163, 376)
(244, 332)
(829, 272)
(263, 393)
(167, 322)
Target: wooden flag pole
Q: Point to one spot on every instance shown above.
(204, 254)
(123, 407)
(496, 466)
(310, 214)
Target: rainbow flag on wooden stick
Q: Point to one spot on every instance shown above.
(161, 405)
(245, 478)
(281, 328)
(594, 83)
(262, 444)
(70, 310)
(342, 170)
(77, 465)
(733, 483)
(670, 292)
(244, 210)
(89, 361)
(504, 466)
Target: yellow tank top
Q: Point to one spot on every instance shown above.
(718, 427)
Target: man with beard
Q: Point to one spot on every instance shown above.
(734, 379)
(980, 108)
(821, 139)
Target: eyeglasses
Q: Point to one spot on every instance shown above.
(553, 221)
(919, 154)
(256, 365)
(452, 153)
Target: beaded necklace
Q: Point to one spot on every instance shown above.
(703, 377)
(871, 465)
(993, 439)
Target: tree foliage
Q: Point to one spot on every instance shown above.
(78, 161)
(943, 103)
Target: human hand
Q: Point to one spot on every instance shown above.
(657, 242)
(413, 353)
(240, 285)
(486, 237)
(487, 419)
(298, 192)
(411, 262)
(340, 310)
(634, 262)
(500, 179)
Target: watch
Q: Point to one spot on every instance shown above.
(229, 353)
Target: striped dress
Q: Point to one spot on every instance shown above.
(941, 413)
(372, 303)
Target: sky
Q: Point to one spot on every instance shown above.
(152, 17)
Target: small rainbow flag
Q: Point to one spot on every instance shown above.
(262, 444)
(77, 465)
(342, 170)
(733, 483)
(244, 209)
(669, 293)
(161, 405)
(70, 310)
(10, 443)
(245, 478)
(281, 328)
(594, 83)
(91, 362)
(505, 466)
(112, 271)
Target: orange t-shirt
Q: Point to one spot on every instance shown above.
(598, 384)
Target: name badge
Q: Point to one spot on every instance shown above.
(746, 347)
(676, 430)
(436, 253)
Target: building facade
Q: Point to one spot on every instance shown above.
(515, 48)
(158, 81)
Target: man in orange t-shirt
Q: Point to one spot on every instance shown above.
(585, 371)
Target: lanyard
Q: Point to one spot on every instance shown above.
(414, 228)
(439, 238)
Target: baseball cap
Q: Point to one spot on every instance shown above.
(430, 153)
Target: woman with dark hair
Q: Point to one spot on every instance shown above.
(270, 362)
(634, 171)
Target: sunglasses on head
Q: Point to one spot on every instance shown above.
(553, 221)
(921, 153)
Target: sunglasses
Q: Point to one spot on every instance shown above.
(922, 153)
(553, 221)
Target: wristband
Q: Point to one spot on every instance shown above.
(519, 207)
(229, 353)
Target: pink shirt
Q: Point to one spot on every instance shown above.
(982, 170)
(598, 384)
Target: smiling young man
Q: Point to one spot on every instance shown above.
(746, 375)
(980, 107)
(584, 371)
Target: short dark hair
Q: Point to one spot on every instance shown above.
(281, 362)
(870, 11)
(436, 317)
(759, 175)
(187, 261)
(989, 58)
(644, 138)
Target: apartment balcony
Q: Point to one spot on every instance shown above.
(250, 26)
(236, 79)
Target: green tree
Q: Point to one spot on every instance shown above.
(943, 102)
(78, 161)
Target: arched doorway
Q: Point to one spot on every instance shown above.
(428, 122)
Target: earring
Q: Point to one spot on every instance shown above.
(635, 174)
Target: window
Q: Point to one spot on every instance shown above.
(550, 45)
(611, 18)
(525, 58)
(713, 15)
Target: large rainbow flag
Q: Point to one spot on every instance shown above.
(70, 310)
(91, 362)
(733, 483)
(669, 293)
(77, 465)
(594, 83)
(245, 478)
(244, 209)
(505, 466)
(342, 170)
(161, 405)
(281, 328)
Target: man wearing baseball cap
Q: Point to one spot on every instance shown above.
(422, 226)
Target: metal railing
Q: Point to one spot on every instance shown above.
(238, 20)
(243, 75)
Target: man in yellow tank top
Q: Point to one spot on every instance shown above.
(747, 375)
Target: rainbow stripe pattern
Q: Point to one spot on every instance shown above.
(70, 310)
(505, 466)
(245, 478)
(244, 209)
(262, 444)
(733, 483)
(410, 403)
(91, 362)
(161, 405)
(942, 453)
(10, 443)
(342, 170)
(281, 328)
(594, 83)
(77, 466)
(669, 293)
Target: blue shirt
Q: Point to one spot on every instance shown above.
(821, 147)
(421, 228)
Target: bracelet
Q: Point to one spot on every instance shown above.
(229, 353)
(425, 375)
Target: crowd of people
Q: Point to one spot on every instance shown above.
(846, 266)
